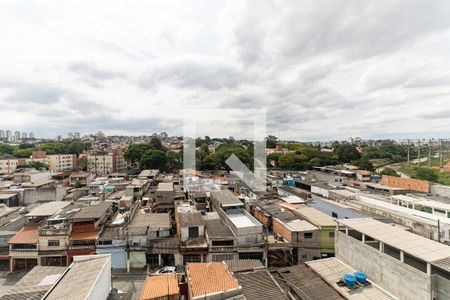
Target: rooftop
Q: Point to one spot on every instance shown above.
(165, 187)
(48, 208)
(259, 286)
(80, 279)
(315, 216)
(242, 219)
(97, 211)
(305, 283)
(300, 225)
(152, 220)
(244, 265)
(226, 198)
(90, 235)
(27, 235)
(160, 286)
(34, 284)
(332, 269)
(215, 228)
(413, 244)
(210, 278)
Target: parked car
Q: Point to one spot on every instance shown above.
(165, 270)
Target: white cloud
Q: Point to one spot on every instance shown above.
(323, 70)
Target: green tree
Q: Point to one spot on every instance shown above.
(389, 172)
(134, 153)
(155, 143)
(346, 153)
(75, 147)
(425, 174)
(364, 164)
(153, 159)
(271, 141)
(82, 163)
(174, 161)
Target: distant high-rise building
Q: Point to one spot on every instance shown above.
(17, 135)
(31, 135)
(2, 134)
(100, 134)
(24, 135)
(76, 135)
(9, 135)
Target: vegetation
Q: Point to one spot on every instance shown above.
(389, 172)
(34, 164)
(25, 150)
(153, 156)
(426, 173)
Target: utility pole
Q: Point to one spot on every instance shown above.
(429, 153)
(409, 141)
(418, 154)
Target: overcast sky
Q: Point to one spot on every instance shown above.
(323, 70)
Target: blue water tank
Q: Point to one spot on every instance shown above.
(349, 279)
(361, 277)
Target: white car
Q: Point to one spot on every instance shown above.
(165, 270)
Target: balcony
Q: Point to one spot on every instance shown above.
(53, 231)
(222, 249)
(81, 247)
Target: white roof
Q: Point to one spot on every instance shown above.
(293, 200)
(47, 208)
(165, 187)
(242, 220)
(301, 225)
(413, 244)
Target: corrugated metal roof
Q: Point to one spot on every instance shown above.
(259, 286)
(239, 265)
(413, 244)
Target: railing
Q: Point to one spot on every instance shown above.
(222, 248)
(52, 231)
(82, 247)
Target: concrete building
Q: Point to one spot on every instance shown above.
(326, 227)
(304, 236)
(407, 265)
(106, 163)
(23, 249)
(222, 242)
(62, 162)
(112, 241)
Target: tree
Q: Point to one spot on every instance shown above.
(35, 165)
(271, 141)
(134, 153)
(425, 174)
(346, 153)
(174, 161)
(82, 163)
(389, 172)
(155, 143)
(75, 147)
(364, 164)
(153, 159)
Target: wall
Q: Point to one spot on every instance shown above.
(406, 183)
(401, 280)
(118, 256)
(43, 194)
(441, 286)
(441, 190)
(102, 286)
(320, 191)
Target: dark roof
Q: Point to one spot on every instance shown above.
(93, 211)
(164, 246)
(295, 191)
(304, 282)
(111, 233)
(191, 219)
(241, 265)
(225, 198)
(274, 210)
(260, 286)
(216, 229)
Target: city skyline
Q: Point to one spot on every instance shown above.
(376, 77)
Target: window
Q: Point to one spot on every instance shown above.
(53, 243)
(308, 235)
(331, 235)
(193, 232)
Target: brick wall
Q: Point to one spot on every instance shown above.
(406, 183)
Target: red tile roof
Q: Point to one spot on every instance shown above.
(27, 235)
(160, 286)
(209, 278)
